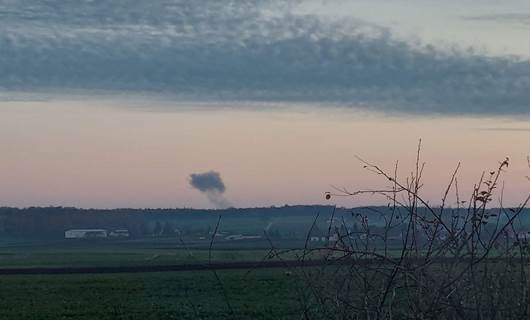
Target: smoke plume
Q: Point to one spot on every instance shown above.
(211, 184)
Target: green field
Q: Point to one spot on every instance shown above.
(260, 294)
(251, 294)
(125, 253)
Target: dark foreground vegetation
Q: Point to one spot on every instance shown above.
(486, 276)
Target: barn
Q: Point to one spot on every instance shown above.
(85, 233)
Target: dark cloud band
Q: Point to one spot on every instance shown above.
(246, 50)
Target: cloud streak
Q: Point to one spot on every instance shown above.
(247, 50)
(520, 18)
(501, 129)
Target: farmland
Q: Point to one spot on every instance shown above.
(140, 252)
(252, 294)
(227, 294)
(94, 253)
(261, 294)
(218, 259)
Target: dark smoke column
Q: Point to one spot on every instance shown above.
(211, 184)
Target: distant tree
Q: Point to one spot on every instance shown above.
(167, 229)
(158, 228)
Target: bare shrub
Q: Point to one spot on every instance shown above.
(464, 261)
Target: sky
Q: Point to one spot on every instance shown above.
(108, 104)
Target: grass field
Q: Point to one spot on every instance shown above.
(232, 294)
(260, 294)
(252, 294)
(101, 253)
(145, 252)
(247, 293)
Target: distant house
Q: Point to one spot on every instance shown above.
(523, 235)
(119, 233)
(331, 238)
(85, 234)
(241, 237)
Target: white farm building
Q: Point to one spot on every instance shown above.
(85, 233)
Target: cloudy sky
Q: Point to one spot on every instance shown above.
(116, 103)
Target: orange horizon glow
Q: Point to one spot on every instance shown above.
(108, 154)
